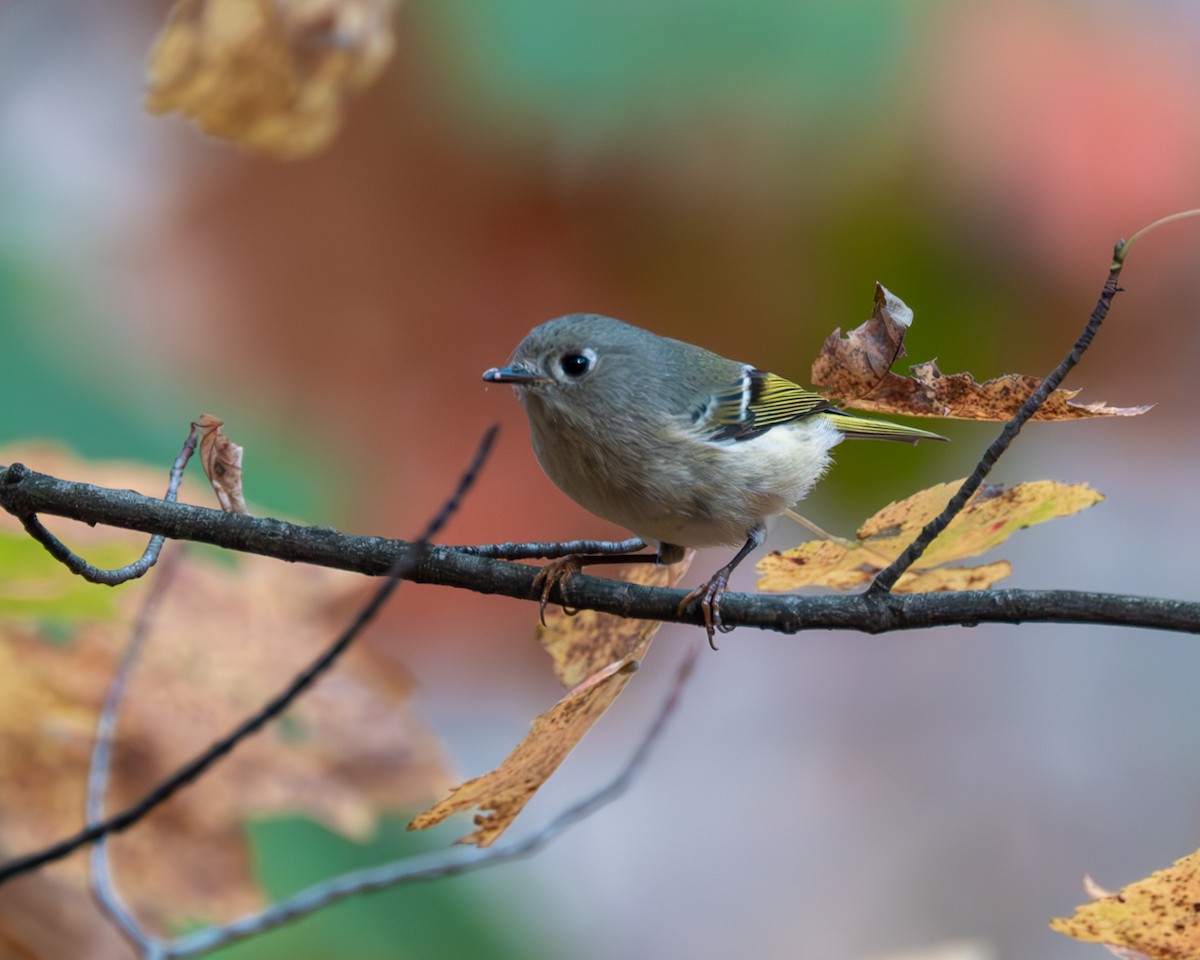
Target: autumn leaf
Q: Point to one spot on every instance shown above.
(222, 462)
(270, 75)
(855, 364)
(855, 371)
(595, 654)
(226, 638)
(992, 516)
(1159, 917)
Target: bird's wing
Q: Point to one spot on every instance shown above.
(756, 402)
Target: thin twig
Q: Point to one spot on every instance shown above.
(140, 567)
(103, 887)
(819, 532)
(1123, 249)
(887, 578)
(199, 764)
(442, 864)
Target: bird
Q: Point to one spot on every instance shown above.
(683, 447)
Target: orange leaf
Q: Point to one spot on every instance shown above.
(595, 653)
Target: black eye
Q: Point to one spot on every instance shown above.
(576, 364)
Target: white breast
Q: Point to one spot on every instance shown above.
(679, 488)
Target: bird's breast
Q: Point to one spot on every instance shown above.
(668, 484)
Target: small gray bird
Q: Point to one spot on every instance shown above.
(683, 447)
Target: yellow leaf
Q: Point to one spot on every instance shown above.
(992, 516)
(270, 75)
(595, 654)
(954, 578)
(1159, 917)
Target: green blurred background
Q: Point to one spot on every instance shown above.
(738, 175)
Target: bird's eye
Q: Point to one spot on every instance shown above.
(575, 365)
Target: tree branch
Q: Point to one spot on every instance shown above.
(886, 579)
(140, 567)
(103, 886)
(25, 490)
(193, 769)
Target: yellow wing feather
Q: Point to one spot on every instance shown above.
(759, 401)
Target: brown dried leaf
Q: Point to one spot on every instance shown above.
(270, 75)
(992, 516)
(225, 640)
(855, 371)
(595, 653)
(854, 365)
(1158, 917)
(222, 462)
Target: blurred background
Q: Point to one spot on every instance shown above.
(738, 175)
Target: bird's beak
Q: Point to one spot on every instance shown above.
(516, 375)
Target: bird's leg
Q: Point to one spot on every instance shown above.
(558, 572)
(710, 594)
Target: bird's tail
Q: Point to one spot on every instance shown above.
(865, 428)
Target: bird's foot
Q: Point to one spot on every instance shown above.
(555, 574)
(710, 595)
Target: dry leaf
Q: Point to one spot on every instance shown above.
(946, 579)
(854, 365)
(270, 75)
(855, 371)
(222, 462)
(1158, 917)
(991, 517)
(226, 638)
(595, 654)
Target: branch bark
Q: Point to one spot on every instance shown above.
(24, 491)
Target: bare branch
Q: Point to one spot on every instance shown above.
(76, 564)
(103, 887)
(450, 566)
(887, 577)
(398, 570)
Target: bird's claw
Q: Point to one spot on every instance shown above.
(555, 574)
(710, 595)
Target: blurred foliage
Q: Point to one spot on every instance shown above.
(35, 587)
(616, 66)
(68, 377)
